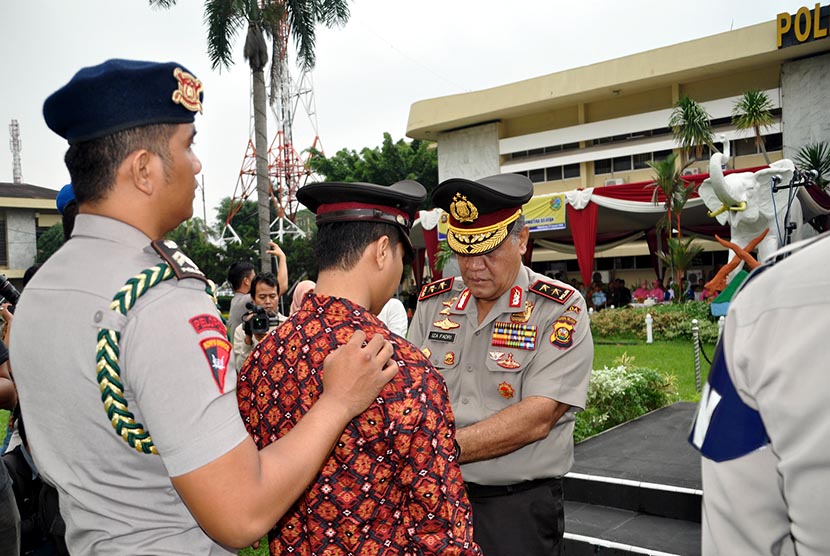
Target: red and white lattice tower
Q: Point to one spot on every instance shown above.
(16, 147)
(287, 169)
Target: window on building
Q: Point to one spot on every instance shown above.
(554, 173)
(534, 152)
(570, 171)
(774, 142)
(745, 147)
(641, 160)
(537, 175)
(661, 155)
(622, 163)
(602, 166)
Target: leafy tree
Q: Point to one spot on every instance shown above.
(386, 164)
(49, 241)
(192, 237)
(691, 127)
(274, 19)
(754, 111)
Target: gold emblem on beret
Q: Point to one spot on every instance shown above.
(462, 209)
(188, 92)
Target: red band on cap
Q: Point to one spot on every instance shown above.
(332, 207)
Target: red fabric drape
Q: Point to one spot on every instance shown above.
(583, 225)
(431, 240)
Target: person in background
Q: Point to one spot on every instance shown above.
(300, 290)
(763, 422)
(393, 315)
(264, 294)
(657, 293)
(9, 514)
(641, 293)
(392, 485)
(68, 208)
(240, 275)
(515, 349)
(161, 350)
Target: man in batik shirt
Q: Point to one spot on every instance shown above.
(392, 484)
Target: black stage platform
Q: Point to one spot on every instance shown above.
(636, 489)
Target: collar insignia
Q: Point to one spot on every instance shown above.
(516, 297)
(188, 92)
(462, 209)
(462, 300)
(523, 316)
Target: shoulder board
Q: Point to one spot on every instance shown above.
(560, 294)
(435, 288)
(182, 266)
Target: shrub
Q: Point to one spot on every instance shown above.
(621, 393)
(671, 321)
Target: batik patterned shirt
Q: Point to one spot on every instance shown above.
(392, 485)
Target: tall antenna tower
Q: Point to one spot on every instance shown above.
(287, 169)
(16, 147)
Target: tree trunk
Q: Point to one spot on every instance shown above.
(263, 181)
(760, 141)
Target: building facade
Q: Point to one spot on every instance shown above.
(25, 212)
(602, 124)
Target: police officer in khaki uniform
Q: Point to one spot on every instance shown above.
(515, 350)
(164, 465)
(763, 424)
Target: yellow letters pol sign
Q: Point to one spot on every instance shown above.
(805, 25)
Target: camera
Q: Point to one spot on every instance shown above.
(8, 293)
(259, 322)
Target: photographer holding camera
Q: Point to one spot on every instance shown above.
(261, 318)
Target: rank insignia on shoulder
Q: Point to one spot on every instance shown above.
(435, 288)
(560, 294)
(180, 264)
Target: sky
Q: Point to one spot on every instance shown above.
(368, 73)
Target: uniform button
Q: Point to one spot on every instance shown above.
(99, 316)
(465, 400)
(469, 368)
(478, 332)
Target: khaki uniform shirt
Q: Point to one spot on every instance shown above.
(774, 500)
(535, 341)
(178, 381)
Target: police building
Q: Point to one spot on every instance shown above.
(586, 135)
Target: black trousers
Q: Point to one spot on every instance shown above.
(525, 519)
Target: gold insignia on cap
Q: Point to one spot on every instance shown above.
(188, 92)
(462, 209)
(400, 220)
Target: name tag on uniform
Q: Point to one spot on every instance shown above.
(441, 336)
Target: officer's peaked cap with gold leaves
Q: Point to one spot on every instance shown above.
(481, 212)
(122, 94)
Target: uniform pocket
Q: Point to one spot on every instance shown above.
(502, 384)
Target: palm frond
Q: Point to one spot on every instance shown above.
(301, 17)
(815, 156)
(753, 111)
(691, 125)
(332, 13)
(162, 4)
(224, 20)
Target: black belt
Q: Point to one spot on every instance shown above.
(475, 490)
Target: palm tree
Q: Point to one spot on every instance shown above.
(815, 156)
(754, 111)
(691, 126)
(668, 179)
(273, 19)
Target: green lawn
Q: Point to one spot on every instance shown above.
(672, 357)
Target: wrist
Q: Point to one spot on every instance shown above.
(337, 410)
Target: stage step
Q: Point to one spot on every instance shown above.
(636, 489)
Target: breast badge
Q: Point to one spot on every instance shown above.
(509, 363)
(562, 336)
(447, 306)
(496, 355)
(506, 390)
(524, 316)
(446, 324)
(449, 358)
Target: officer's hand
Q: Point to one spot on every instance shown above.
(353, 375)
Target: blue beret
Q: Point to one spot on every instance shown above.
(65, 196)
(122, 94)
